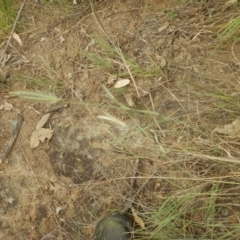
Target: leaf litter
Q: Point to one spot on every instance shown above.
(43, 121)
(231, 130)
(162, 63)
(41, 134)
(121, 83)
(6, 106)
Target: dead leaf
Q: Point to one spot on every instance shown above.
(129, 99)
(232, 130)
(137, 219)
(121, 83)
(6, 106)
(163, 27)
(17, 38)
(58, 210)
(40, 135)
(43, 120)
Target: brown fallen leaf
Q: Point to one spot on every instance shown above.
(129, 99)
(137, 219)
(40, 135)
(6, 106)
(121, 83)
(17, 38)
(58, 210)
(43, 120)
(231, 130)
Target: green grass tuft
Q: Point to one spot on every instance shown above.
(6, 15)
(111, 58)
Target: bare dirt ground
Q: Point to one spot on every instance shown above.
(60, 189)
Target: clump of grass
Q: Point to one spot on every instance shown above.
(198, 196)
(108, 57)
(200, 200)
(197, 213)
(230, 31)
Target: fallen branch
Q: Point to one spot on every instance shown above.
(13, 138)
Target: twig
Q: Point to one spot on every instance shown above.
(13, 138)
(12, 31)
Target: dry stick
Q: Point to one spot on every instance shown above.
(12, 31)
(13, 138)
(133, 198)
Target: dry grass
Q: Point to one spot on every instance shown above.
(199, 171)
(195, 193)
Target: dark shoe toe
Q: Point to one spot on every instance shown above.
(113, 227)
